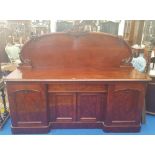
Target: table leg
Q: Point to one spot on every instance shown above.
(4, 104)
(1, 119)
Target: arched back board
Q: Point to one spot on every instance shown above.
(71, 51)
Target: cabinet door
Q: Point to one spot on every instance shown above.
(27, 104)
(91, 107)
(124, 105)
(62, 107)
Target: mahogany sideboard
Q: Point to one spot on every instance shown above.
(76, 80)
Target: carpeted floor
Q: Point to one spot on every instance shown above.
(146, 129)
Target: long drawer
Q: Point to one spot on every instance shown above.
(77, 87)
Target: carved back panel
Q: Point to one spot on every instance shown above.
(75, 51)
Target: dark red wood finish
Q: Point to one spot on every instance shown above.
(74, 51)
(72, 80)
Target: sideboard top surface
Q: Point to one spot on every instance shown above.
(114, 74)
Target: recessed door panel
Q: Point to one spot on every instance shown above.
(62, 107)
(91, 107)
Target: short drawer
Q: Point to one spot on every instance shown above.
(24, 86)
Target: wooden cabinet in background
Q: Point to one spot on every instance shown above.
(133, 31)
(150, 97)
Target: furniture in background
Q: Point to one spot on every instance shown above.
(109, 27)
(13, 53)
(40, 27)
(7, 68)
(3, 40)
(138, 50)
(133, 31)
(150, 94)
(150, 97)
(63, 26)
(149, 32)
(5, 114)
(20, 30)
(76, 80)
